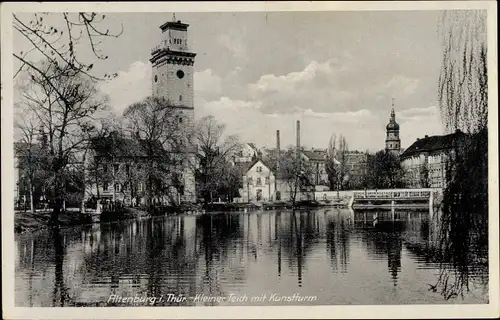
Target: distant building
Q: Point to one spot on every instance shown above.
(261, 183)
(258, 182)
(121, 175)
(357, 164)
(392, 140)
(317, 160)
(248, 153)
(426, 160)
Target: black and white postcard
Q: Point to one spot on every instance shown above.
(234, 159)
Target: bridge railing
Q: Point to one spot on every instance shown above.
(392, 194)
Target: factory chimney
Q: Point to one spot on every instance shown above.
(298, 135)
(278, 149)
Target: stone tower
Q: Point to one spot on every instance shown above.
(172, 79)
(392, 140)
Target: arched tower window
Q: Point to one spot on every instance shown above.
(180, 97)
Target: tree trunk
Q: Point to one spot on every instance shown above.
(32, 202)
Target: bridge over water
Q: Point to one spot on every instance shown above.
(381, 198)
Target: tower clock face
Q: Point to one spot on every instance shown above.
(180, 74)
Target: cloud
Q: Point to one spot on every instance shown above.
(411, 114)
(402, 85)
(417, 122)
(207, 84)
(129, 86)
(233, 42)
(291, 81)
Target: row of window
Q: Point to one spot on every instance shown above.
(125, 187)
(259, 181)
(176, 41)
(117, 166)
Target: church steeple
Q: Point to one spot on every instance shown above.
(392, 141)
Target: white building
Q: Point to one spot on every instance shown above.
(427, 159)
(258, 183)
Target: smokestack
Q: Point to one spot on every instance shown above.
(278, 148)
(298, 134)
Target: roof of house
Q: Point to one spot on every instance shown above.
(253, 163)
(315, 155)
(252, 145)
(119, 146)
(433, 143)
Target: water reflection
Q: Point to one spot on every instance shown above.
(340, 256)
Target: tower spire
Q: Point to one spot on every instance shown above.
(393, 114)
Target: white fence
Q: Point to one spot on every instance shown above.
(381, 194)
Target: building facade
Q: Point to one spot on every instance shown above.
(427, 160)
(392, 140)
(258, 183)
(317, 160)
(172, 79)
(120, 169)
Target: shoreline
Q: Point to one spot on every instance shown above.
(28, 222)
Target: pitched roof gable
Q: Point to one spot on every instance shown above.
(253, 163)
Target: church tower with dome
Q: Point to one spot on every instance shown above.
(392, 140)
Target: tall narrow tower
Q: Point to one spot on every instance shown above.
(392, 140)
(172, 79)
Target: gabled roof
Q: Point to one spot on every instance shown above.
(252, 146)
(253, 163)
(315, 155)
(433, 143)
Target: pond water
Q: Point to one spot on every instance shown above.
(319, 257)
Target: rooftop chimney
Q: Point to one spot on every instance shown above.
(426, 136)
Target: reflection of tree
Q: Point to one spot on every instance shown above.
(60, 293)
(298, 235)
(217, 232)
(337, 241)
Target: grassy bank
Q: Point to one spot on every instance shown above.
(29, 221)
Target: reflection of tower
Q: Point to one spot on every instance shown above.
(392, 140)
(394, 248)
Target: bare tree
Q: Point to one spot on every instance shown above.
(65, 108)
(336, 162)
(332, 163)
(342, 150)
(294, 174)
(214, 153)
(31, 155)
(57, 38)
(158, 127)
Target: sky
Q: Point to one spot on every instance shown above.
(258, 72)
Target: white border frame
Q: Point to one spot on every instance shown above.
(292, 312)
